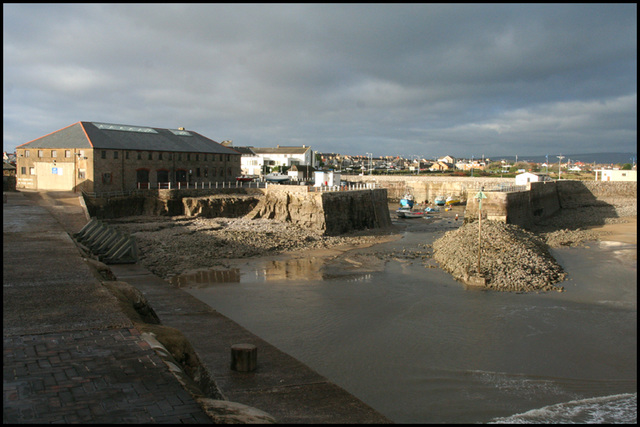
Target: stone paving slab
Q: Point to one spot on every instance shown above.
(96, 376)
(69, 353)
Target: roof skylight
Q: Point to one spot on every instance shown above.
(106, 126)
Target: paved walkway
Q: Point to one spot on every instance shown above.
(71, 356)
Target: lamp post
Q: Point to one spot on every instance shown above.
(546, 163)
(559, 166)
(370, 158)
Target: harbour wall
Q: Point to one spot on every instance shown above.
(330, 212)
(427, 188)
(524, 208)
(336, 212)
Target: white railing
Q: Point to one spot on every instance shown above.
(145, 187)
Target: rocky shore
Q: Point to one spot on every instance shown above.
(513, 259)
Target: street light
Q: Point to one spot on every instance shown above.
(370, 158)
(559, 166)
(546, 163)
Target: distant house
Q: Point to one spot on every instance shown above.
(527, 177)
(441, 166)
(8, 176)
(103, 157)
(616, 175)
(447, 159)
(282, 156)
(301, 173)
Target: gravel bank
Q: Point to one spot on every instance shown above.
(170, 246)
(512, 259)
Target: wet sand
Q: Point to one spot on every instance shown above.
(624, 233)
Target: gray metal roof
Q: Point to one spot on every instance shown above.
(127, 137)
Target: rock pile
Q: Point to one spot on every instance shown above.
(512, 259)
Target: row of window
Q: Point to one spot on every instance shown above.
(150, 155)
(167, 156)
(54, 153)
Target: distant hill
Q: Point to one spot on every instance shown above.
(598, 158)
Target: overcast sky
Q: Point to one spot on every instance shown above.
(396, 79)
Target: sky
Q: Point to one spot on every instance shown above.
(407, 80)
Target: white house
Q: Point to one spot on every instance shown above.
(326, 178)
(527, 177)
(616, 175)
(260, 161)
(285, 156)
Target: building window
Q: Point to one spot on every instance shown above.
(150, 155)
(205, 157)
(26, 153)
(23, 170)
(139, 155)
(189, 157)
(67, 153)
(103, 154)
(81, 153)
(54, 153)
(197, 157)
(160, 155)
(115, 155)
(106, 178)
(81, 174)
(126, 155)
(40, 153)
(197, 171)
(169, 156)
(32, 171)
(179, 156)
(213, 171)
(206, 170)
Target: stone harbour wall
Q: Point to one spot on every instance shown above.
(331, 212)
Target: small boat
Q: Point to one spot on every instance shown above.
(440, 201)
(407, 200)
(429, 209)
(276, 177)
(452, 200)
(402, 211)
(244, 178)
(414, 214)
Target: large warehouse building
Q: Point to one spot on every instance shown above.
(102, 157)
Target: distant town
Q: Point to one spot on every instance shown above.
(570, 168)
(96, 157)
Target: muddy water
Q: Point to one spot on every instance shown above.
(416, 345)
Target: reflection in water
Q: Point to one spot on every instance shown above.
(205, 277)
(293, 270)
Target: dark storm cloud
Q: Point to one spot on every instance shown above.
(389, 79)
